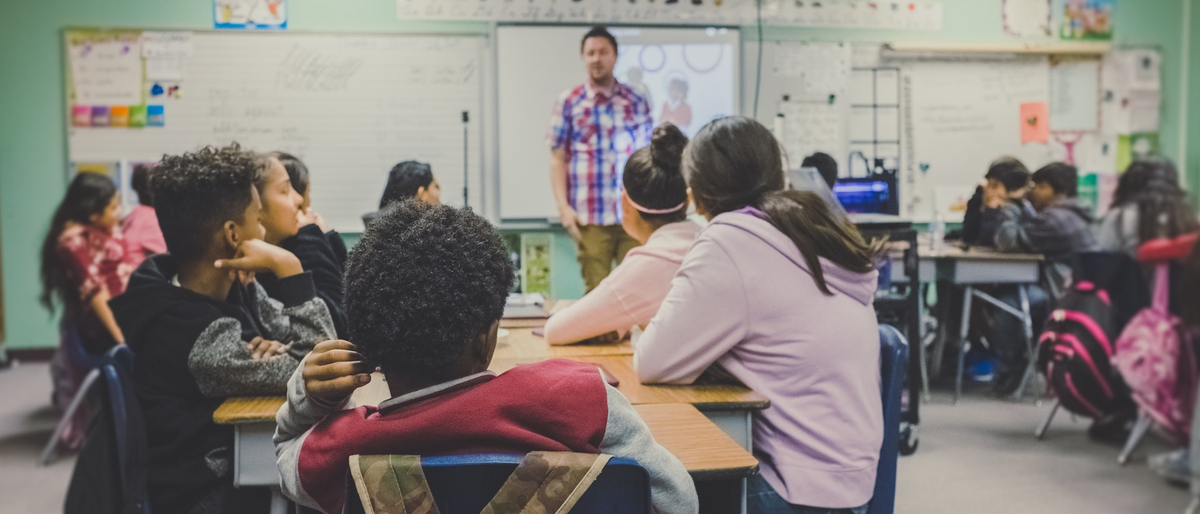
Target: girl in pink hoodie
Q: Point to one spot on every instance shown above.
(654, 203)
(778, 293)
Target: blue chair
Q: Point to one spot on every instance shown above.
(893, 363)
(112, 463)
(464, 484)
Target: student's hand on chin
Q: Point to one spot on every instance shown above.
(256, 255)
(307, 217)
(334, 370)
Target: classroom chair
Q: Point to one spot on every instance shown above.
(893, 362)
(71, 360)
(464, 484)
(110, 473)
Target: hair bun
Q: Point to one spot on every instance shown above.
(666, 147)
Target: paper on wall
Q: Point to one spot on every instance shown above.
(1075, 95)
(810, 127)
(1144, 110)
(1090, 152)
(1026, 17)
(823, 69)
(165, 68)
(166, 44)
(1143, 68)
(107, 73)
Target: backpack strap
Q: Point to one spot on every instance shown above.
(549, 482)
(392, 484)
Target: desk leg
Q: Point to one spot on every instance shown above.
(737, 424)
(1027, 318)
(279, 504)
(964, 333)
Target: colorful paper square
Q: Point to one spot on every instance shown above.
(155, 116)
(137, 116)
(100, 116)
(118, 116)
(1035, 122)
(81, 115)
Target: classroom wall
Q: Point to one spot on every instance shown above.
(1193, 105)
(32, 131)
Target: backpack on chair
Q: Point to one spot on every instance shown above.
(1159, 364)
(1075, 353)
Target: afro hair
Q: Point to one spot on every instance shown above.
(422, 284)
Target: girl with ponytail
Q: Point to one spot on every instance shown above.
(779, 293)
(655, 204)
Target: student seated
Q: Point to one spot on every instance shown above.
(1007, 180)
(201, 335)
(1050, 223)
(143, 238)
(292, 225)
(825, 164)
(409, 179)
(779, 293)
(654, 203)
(425, 291)
(1147, 186)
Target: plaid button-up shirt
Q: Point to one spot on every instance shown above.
(598, 131)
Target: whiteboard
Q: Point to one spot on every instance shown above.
(537, 64)
(349, 106)
(959, 116)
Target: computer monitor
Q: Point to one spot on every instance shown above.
(875, 194)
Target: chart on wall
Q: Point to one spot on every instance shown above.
(349, 106)
(850, 14)
(689, 75)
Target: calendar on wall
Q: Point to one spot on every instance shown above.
(846, 14)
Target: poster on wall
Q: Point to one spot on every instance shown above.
(250, 14)
(1026, 18)
(1088, 20)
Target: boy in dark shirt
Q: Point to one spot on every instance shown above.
(202, 330)
(1007, 181)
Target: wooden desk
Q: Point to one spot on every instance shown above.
(520, 343)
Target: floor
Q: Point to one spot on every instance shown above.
(979, 457)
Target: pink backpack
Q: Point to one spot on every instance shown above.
(1159, 364)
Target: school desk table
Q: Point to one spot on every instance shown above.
(709, 454)
(521, 343)
(971, 268)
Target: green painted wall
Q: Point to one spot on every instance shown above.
(1193, 111)
(32, 131)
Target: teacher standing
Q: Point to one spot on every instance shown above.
(594, 129)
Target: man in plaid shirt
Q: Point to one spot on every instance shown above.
(594, 128)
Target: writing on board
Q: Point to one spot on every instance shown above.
(308, 69)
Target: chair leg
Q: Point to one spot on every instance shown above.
(1040, 431)
(964, 333)
(1027, 319)
(1135, 437)
(925, 338)
(80, 396)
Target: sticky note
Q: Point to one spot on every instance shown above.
(100, 116)
(81, 115)
(137, 116)
(118, 116)
(1035, 122)
(155, 116)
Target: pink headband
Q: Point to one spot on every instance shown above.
(654, 211)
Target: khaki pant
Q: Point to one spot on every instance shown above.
(599, 246)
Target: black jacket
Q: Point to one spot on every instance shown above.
(324, 256)
(191, 355)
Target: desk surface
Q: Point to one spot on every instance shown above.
(704, 396)
(520, 343)
(955, 252)
(706, 451)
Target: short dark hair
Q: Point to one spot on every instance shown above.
(197, 192)
(1010, 172)
(296, 170)
(1063, 178)
(139, 180)
(598, 31)
(404, 180)
(825, 164)
(422, 284)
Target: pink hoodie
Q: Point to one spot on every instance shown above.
(744, 299)
(631, 294)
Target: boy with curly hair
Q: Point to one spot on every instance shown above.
(425, 290)
(202, 330)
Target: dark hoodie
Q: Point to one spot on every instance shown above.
(323, 255)
(191, 354)
(1059, 232)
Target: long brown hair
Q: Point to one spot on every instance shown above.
(1152, 184)
(88, 194)
(736, 162)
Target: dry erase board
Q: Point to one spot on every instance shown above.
(350, 106)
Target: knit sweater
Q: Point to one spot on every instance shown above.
(191, 354)
(324, 256)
